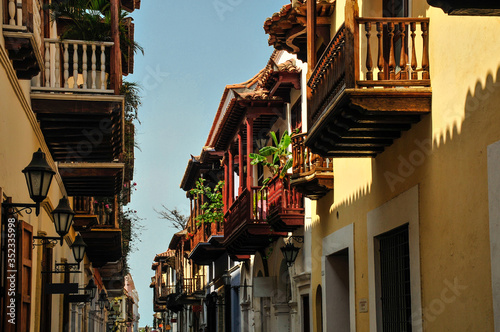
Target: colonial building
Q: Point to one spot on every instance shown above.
(62, 95)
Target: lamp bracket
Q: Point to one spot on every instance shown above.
(297, 238)
(45, 240)
(65, 268)
(28, 207)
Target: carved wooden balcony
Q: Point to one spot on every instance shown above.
(80, 116)
(312, 175)
(246, 229)
(285, 205)
(468, 7)
(207, 243)
(357, 111)
(92, 212)
(164, 291)
(22, 32)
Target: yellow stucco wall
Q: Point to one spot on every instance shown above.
(445, 156)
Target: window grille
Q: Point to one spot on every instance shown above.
(395, 280)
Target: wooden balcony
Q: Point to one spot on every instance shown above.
(165, 291)
(113, 278)
(246, 229)
(285, 205)
(468, 7)
(312, 175)
(357, 111)
(22, 32)
(207, 243)
(80, 116)
(104, 244)
(92, 212)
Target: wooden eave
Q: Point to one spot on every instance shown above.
(204, 253)
(92, 179)
(248, 238)
(287, 28)
(103, 245)
(468, 7)
(81, 127)
(24, 52)
(315, 183)
(130, 5)
(362, 122)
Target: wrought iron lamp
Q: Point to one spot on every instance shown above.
(103, 300)
(91, 289)
(63, 218)
(38, 176)
(290, 251)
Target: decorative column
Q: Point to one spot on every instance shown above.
(231, 177)
(249, 150)
(240, 161)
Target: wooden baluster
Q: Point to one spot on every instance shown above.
(57, 69)
(380, 60)
(403, 57)
(75, 66)
(392, 59)
(414, 74)
(103, 68)
(47, 64)
(66, 65)
(93, 86)
(84, 58)
(425, 55)
(12, 12)
(19, 14)
(369, 62)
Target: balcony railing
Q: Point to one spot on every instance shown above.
(75, 66)
(371, 83)
(397, 63)
(105, 212)
(192, 285)
(304, 161)
(22, 30)
(166, 290)
(312, 175)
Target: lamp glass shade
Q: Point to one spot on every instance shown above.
(78, 248)
(290, 253)
(63, 217)
(102, 299)
(226, 279)
(91, 289)
(38, 176)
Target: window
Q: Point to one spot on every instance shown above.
(394, 280)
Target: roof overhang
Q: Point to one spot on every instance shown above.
(92, 179)
(81, 127)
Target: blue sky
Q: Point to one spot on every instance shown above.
(193, 49)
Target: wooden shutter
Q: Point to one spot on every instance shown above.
(25, 254)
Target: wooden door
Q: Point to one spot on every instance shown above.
(25, 254)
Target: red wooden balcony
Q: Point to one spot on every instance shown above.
(285, 205)
(312, 175)
(207, 243)
(358, 110)
(22, 32)
(246, 229)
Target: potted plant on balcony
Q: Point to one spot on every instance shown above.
(279, 155)
(213, 207)
(90, 20)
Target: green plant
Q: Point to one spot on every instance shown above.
(279, 155)
(131, 91)
(213, 207)
(91, 20)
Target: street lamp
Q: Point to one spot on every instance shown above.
(78, 248)
(226, 279)
(290, 251)
(38, 176)
(63, 218)
(91, 289)
(103, 300)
